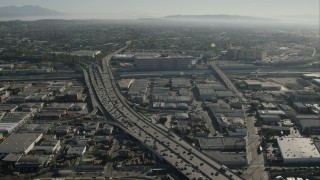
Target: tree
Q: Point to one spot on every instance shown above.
(91, 142)
(163, 120)
(105, 158)
(270, 133)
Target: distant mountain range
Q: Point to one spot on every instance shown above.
(27, 11)
(220, 17)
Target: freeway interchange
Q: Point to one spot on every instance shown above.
(181, 155)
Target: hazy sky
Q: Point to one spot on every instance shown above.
(158, 8)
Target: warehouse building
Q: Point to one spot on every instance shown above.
(158, 62)
(261, 86)
(298, 150)
(222, 143)
(305, 96)
(7, 128)
(20, 143)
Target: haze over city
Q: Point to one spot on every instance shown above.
(128, 9)
(159, 89)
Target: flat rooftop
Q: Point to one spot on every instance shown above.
(298, 148)
(18, 143)
(160, 56)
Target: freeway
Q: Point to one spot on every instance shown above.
(181, 155)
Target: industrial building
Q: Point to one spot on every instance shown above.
(8, 107)
(229, 159)
(124, 84)
(138, 90)
(253, 54)
(35, 128)
(222, 143)
(308, 123)
(7, 128)
(48, 146)
(164, 62)
(305, 96)
(4, 95)
(20, 143)
(177, 83)
(261, 86)
(298, 151)
(77, 150)
(207, 94)
(32, 163)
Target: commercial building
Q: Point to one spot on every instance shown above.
(298, 151)
(164, 62)
(20, 143)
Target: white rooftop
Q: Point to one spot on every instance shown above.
(298, 149)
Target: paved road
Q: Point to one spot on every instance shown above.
(255, 169)
(109, 166)
(227, 82)
(208, 122)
